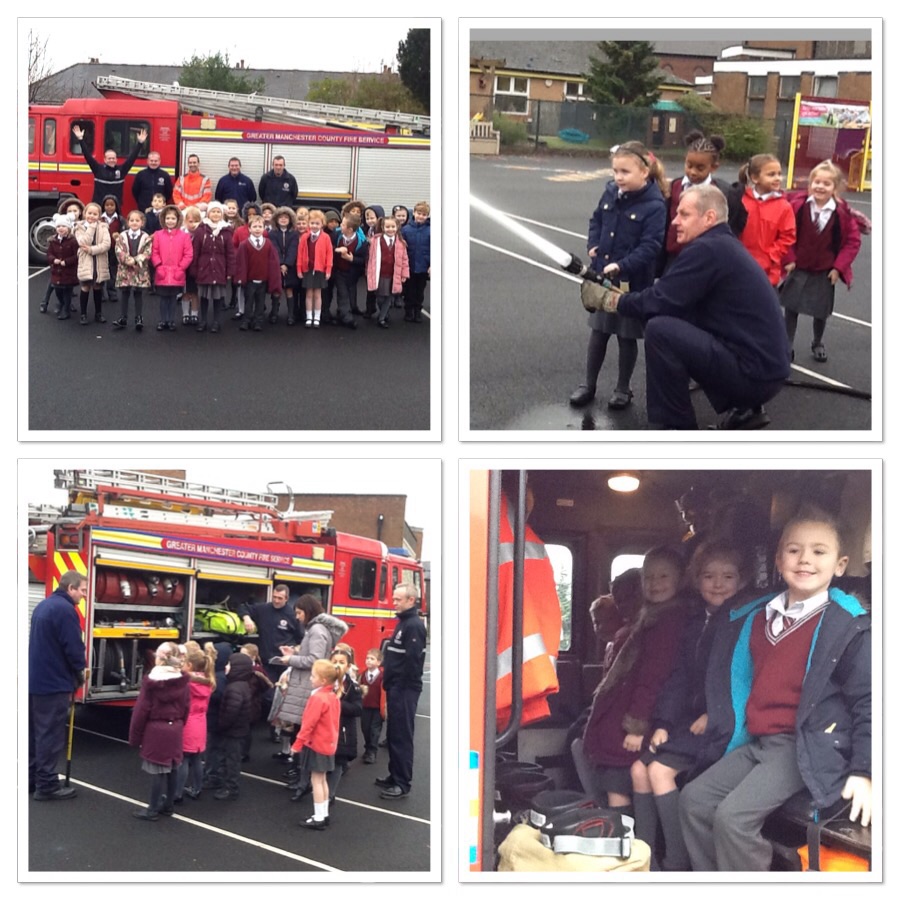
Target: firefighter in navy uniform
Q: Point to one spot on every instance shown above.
(404, 662)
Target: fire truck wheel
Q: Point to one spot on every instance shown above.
(40, 231)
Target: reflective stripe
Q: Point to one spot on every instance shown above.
(533, 647)
(570, 843)
(394, 649)
(533, 550)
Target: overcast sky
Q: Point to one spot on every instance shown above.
(418, 479)
(335, 45)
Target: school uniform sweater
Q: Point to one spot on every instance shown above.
(252, 264)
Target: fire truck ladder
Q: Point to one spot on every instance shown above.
(265, 109)
(159, 498)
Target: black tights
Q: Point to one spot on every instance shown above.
(628, 353)
(790, 323)
(98, 301)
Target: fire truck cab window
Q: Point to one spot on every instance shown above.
(49, 137)
(561, 560)
(623, 562)
(119, 135)
(74, 143)
(31, 127)
(363, 576)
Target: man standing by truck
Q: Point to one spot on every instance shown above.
(235, 185)
(404, 663)
(109, 177)
(56, 659)
(278, 186)
(152, 180)
(193, 188)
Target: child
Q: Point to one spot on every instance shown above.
(213, 263)
(720, 574)
(700, 164)
(372, 215)
(115, 223)
(233, 722)
(371, 719)
(73, 208)
(267, 211)
(827, 243)
(417, 235)
(260, 685)
(769, 229)
(157, 725)
(171, 257)
(315, 256)
(349, 256)
(257, 269)
(190, 306)
(233, 218)
(620, 717)
(62, 257)
(401, 214)
(318, 738)
(93, 261)
(789, 691)
(350, 697)
(286, 240)
(387, 267)
(624, 240)
(134, 248)
(154, 220)
(200, 666)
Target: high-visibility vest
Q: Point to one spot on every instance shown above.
(542, 624)
(190, 190)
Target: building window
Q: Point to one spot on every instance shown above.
(825, 86)
(788, 87)
(756, 108)
(511, 94)
(574, 90)
(756, 87)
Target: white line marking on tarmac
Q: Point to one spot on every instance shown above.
(387, 812)
(230, 834)
(851, 319)
(39, 272)
(821, 377)
(525, 259)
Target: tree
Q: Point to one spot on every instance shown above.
(626, 77)
(213, 72)
(39, 65)
(368, 92)
(414, 62)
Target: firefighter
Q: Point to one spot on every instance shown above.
(404, 662)
(56, 657)
(109, 177)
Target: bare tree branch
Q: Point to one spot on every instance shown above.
(39, 65)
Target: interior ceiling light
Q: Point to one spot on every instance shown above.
(624, 483)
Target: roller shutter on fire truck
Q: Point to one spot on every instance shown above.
(391, 176)
(327, 167)
(214, 156)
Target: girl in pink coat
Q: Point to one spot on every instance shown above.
(200, 667)
(171, 257)
(387, 266)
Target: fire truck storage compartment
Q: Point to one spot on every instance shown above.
(327, 167)
(140, 600)
(229, 586)
(385, 170)
(214, 156)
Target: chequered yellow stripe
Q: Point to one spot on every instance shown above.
(362, 613)
(304, 562)
(306, 577)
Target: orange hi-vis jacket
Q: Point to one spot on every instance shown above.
(542, 622)
(192, 190)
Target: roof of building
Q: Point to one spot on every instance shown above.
(573, 57)
(78, 80)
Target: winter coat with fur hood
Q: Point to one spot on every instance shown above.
(93, 246)
(322, 633)
(157, 721)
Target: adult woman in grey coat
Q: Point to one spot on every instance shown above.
(322, 632)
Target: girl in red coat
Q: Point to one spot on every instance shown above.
(770, 230)
(157, 727)
(318, 737)
(827, 244)
(620, 718)
(315, 256)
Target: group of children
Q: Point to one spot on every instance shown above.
(804, 241)
(226, 256)
(748, 699)
(193, 717)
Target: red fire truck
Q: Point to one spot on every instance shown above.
(336, 153)
(158, 551)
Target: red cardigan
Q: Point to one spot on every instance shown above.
(324, 254)
(320, 727)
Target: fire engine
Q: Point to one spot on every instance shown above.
(335, 152)
(157, 551)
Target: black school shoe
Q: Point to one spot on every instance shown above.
(315, 824)
(385, 782)
(395, 792)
